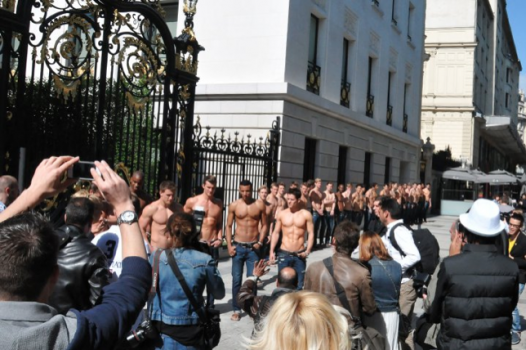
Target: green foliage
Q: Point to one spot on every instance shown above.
(442, 160)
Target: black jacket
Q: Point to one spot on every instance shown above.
(476, 293)
(83, 271)
(518, 252)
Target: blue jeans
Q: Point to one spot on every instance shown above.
(317, 221)
(298, 264)
(170, 344)
(329, 228)
(246, 256)
(516, 325)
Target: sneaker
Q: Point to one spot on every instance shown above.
(515, 338)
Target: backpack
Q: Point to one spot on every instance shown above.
(427, 246)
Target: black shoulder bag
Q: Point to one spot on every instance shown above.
(209, 318)
(362, 338)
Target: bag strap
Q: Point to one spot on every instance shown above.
(340, 292)
(155, 282)
(393, 241)
(177, 272)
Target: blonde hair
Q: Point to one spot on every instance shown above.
(302, 321)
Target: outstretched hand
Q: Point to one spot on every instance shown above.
(49, 176)
(260, 268)
(113, 187)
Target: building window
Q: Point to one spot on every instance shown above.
(389, 116)
(406, 116)
(342, 165)
(313, 71)
(508, 101)
(369, 111)
(387, 173)
(367, 169)
(345, 88)
(393, 14)
(309, 159)
(508, 75)
(410, 18)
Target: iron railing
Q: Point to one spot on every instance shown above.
(313, 78)
(369, 111)
(345, 93)
(389, 116)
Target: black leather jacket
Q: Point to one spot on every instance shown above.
(83, 271)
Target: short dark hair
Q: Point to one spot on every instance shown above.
(295, 192)
(391, 206)
(286, 281)
(517, 216)
(79, 211)
(346, 236)
(211, 179)
(245, 183)
(28, 256)
(167, 185)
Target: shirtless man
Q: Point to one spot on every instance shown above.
(262, 196)
(370, 197)
(304, 200)
(282, 203)
(248, 213)
(339, 203)
(329, 205)
(385, 191)
(155, 216)
(316, 198)
(137, 187)
(293, 222)
(347, 203)
(358, 203)
(272, 198)
(427, 196)
(212, 227)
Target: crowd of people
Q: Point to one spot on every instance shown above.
(119, 251)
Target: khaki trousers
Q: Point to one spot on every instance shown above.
(407, 303)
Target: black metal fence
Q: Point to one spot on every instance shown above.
(233, 159)
(101, 79)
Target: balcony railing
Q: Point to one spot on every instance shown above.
(369, 111)
(313, 78)
(389, 116)
(404, 128)
(345, 93)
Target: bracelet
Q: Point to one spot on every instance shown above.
(260, 243)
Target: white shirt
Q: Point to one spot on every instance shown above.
(404, 238)
(110, 244)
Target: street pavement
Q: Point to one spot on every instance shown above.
(233, 333)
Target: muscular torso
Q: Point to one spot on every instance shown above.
(427, 194)
(273, 201)
(213, 216)
(339, 201)
(317, 199)
(160, 239)
(358, 202)
(247, 217)
(293, 227)
(347, 200)
(329, 200)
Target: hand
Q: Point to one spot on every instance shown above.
(256, 244)
(456, 245)
(272, 258)
(260, 268)
(231, 250)
(48, 178)
(217, 243)
(304, 255)
(113, 188)
(511, 257)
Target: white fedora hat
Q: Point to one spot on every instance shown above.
(483, 218)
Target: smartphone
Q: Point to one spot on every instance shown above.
(81, 170)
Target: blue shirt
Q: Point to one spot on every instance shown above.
(386, 277)
(199, 270)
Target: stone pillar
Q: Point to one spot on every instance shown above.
(428, 149)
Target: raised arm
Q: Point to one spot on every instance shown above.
(47, 181)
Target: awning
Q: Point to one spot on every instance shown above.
(502, 133)
(462, 174)
(499, 177)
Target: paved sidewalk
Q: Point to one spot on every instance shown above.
(233, 332)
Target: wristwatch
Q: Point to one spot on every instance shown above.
(127, 217)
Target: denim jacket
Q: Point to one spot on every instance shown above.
(199, 271)
(386, 282)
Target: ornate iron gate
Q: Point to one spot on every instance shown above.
(232, 160)
(102, 79)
